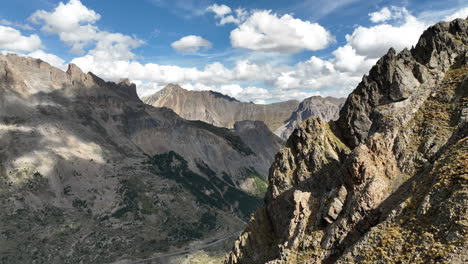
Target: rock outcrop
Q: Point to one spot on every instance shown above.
(388, 181)
(91, 174)
(224, 111)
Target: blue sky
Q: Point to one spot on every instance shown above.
(261, 51)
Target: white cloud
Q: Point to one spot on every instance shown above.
(247, 78)
(375, 41)
(386, 13)
(219, 10)
(347, 60)
(229, 19)
(52, 59)
(226, 16)
(114, 46)
(73, 22)
(14, 24)
(383, 14)
(12, 39)
(264, 31)
(190, 44)
(462, 13)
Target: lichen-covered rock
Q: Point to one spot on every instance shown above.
(387, 182)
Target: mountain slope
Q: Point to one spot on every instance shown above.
(387, 182)
(224, 111)
(89, 173)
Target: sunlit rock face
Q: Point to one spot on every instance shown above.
(91, 174)
(387, 181)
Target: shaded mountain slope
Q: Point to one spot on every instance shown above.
(89, 173)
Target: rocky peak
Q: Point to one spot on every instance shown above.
(218, 109)
(74, 72)
(402, 77)
(382, 184)
(173, 88)
(442, 44)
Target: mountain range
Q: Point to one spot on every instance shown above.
(91, 174)
(224, 111)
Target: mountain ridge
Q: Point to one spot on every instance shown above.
(89, 173)
(222, 110)
(386, 182)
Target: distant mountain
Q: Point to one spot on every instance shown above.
(91, 174)
(325, 108)
(218, 109)
(223, 111)
(385, 183)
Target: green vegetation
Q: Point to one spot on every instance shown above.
(186, 231)
(79, 204)
(209, 190)
(134, 199)
(37, 180)
(261, 186)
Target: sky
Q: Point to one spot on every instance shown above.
(261, 51)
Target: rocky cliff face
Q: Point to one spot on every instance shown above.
(224, 111)
(326, 109)
(91, 174)
(387, 182)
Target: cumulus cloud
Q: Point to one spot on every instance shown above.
(74, 23)
(347, 60)
(114, 46)
(226, 16)
(219, 10)
(52, 59)
(6, 22)
(12, 39)
(388, 13)
(264, 31)
(111, 56)
(190, 44)
(239, 16)
(375, 41)
(383, 14)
